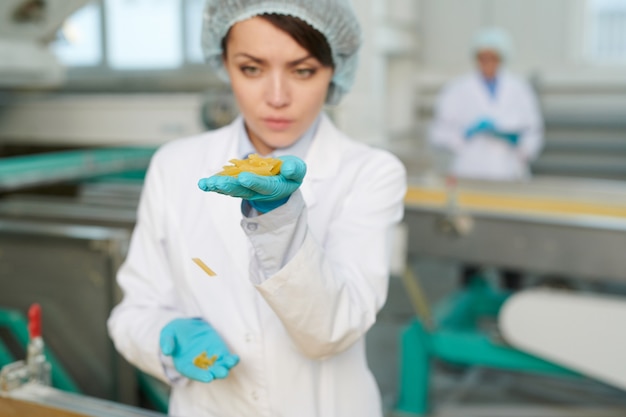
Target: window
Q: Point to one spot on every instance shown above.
(144, 34)
(606, 34)
(156, 43)
(193, 25)
(80, 40)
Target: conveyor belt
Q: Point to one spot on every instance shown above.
(475, 200)
(32, 170)
(568, 228)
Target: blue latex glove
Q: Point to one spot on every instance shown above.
(265, 193)
(481, 126)
(512, 138)
(184, 339)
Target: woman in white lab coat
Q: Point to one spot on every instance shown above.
(489, 119)
(280, 286)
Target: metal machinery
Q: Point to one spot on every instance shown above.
(547, 227)
(24, 385)
(556, 226)
(26, 27)
(59, 251)
(63, 252)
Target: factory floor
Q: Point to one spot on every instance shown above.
(465, 392)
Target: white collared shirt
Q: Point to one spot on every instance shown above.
(275, 236)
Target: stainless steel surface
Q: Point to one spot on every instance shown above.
(87, 406)
(118, 194)
(581, 246)
(68, 210)
(70, 270)
(585, 249)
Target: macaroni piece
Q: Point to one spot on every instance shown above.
(253, 163)
(203, 362)
(204, 267)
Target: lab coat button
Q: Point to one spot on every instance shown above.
(248, 337)
(255, 396)
(252, 226)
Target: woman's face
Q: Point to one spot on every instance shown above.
(279, 87)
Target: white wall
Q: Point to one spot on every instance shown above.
(378, 103)
(544, 32)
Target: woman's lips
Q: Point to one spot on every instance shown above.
(277, 124)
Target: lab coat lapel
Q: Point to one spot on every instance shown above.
(322, 160)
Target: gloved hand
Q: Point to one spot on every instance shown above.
(185, 339)
(265, 193)
(512, 138)
(481, 126)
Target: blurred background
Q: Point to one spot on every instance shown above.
(89, 89)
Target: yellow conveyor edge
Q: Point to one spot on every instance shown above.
(540, 205)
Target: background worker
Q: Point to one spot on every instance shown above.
(490, 120)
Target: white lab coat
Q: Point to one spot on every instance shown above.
(514, 109)
(300, 333)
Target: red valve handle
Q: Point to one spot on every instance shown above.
(34, 321)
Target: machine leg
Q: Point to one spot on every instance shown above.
(414, 370)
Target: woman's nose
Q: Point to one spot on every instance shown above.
(277, 94)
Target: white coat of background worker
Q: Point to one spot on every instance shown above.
(301, 259)
(489, 119)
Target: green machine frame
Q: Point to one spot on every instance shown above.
(454, 335)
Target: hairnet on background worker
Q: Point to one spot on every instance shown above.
(493, 39)
(251, 294)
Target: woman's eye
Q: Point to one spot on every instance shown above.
(305, 72)
(250, 71)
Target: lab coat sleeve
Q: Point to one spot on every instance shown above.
(149, 297)
(531, 141)
(327, 296)
(447, 130)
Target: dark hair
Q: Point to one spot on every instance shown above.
(304, 34)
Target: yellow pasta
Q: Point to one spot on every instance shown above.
(253, 163)
(202, 361)
(204, 266)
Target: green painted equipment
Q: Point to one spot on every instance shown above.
(53, 167)
(454, 335)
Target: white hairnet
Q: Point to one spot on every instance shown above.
(334, 19)
(493, 39)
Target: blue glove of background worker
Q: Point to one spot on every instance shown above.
(481, 126)
(265, 193)
(512, 138)
(487, 126)
(185, 339)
